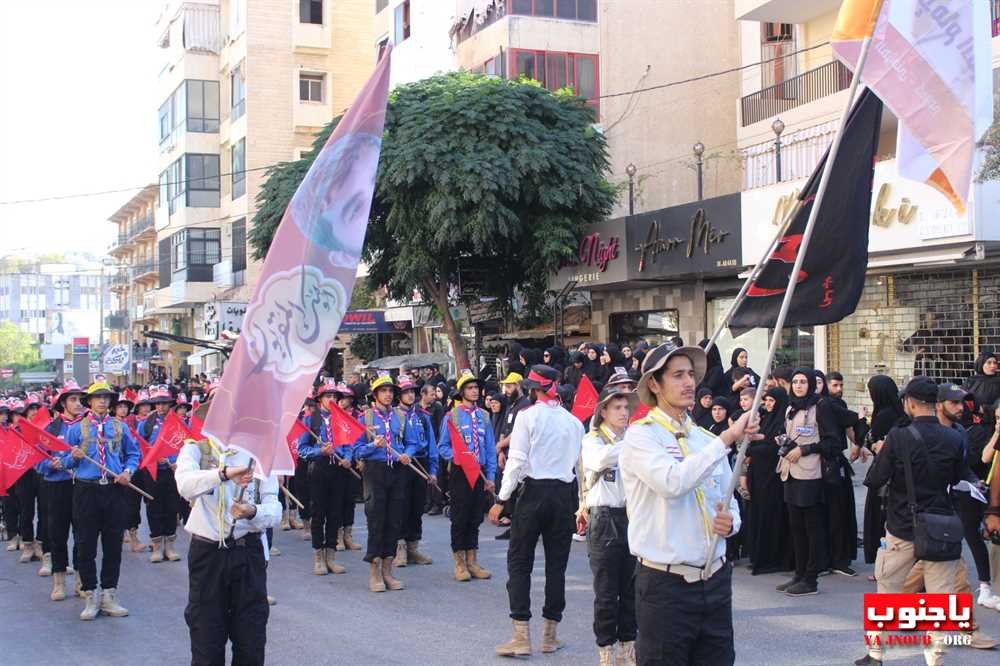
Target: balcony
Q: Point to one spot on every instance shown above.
(118, 245)
(118, 281)
(116, 321)
(143, 271)
(808, 87)
(143, 227)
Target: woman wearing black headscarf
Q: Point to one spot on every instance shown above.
(719, 415)
(574, 371)
(635, 364)
(740, 375)
(514, 363)
(592, 362)
(611, 358)
(766, 530)
(821, 387)
(887, 413)
(554, 357)
(715, 376)
(702, 412)
(497, 404)
(985, 383)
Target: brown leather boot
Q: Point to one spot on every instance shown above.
(110, 605)
(331, 564)
(283, 525)
(626, 656)
(168, 549)
(319, 562)
(414, 555)
(46, 568)
(36, 551)
(90, 609)
(400, 559)
(58, 586)
(390, 582)
(157, 555)
(520, 644)
(462, 574)
(375, 582)
(550, 643)
(475, 570)
(27, 552)
(340, 538)
(135, 543)
(294, 522)
(349, 541)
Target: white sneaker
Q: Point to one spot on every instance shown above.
(987, 599)
(578, 537)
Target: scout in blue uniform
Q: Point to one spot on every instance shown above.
(161, 514)
(345, 537)
(421, 446)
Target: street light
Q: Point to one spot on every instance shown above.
(777, 127)
(630, 170)
(699, 151)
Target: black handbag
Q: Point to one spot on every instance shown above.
(937, 533)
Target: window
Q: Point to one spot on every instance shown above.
(402, 22)
(380, 5)
(203, 106)
(177, 251)
(195, 247)
(311, 11)
(176, 187)
(166, 122)
(239, 245)
(239, 166)
(573, 10)
(202, 175)
(380, 48)
(311, 87)
(239, 92)
(655, 327)
(163, 198)
(559, 70)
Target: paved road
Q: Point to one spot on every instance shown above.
(435, 621)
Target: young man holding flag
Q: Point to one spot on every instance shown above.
(99, 497)
(345, 536)
(161, 514)
(466, 429)
(421, 447)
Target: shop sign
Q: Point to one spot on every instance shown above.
(692, 239)
(220, 316)
(599, 257)
(370, 321)
(81, 345)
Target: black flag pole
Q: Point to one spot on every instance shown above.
(786, 302)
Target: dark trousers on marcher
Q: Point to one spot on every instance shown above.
(970, 511)
(327, 486)
(808, 527)
(26, 490)
(354, 491)
(682, 623)
(227, 601)
(301, 488)
(383, 508)
(58, 498)
(414, 498)
(613, 567)
(133, 500)
(544, 509)
(161, 513)
(12, 515)
(98, 511)
(468, 507)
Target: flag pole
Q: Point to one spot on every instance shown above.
(334, 456)
(291, 496)
(786, 302)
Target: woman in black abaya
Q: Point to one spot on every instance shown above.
(887, 413)
(767, 534)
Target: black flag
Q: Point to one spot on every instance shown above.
(833, 272)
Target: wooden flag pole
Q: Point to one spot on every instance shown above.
(786, 302)
(291, 496)
(335, 456)
(410, 464)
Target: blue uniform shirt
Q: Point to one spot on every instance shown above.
(45, 468)
(484, 433)
(419, 439)
(388, 425)
(309, 446)
(119, 456)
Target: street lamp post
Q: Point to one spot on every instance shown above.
(699, 152)
(777, 127)
(630, 170)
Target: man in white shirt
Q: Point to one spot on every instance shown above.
(675, 475)
(227, 570)
(611, 562)
(544, 449)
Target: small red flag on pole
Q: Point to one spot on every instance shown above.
(585, 401)
(346, 429)
(168, 443)
(42, 417)
(464, 458)
(33, 435)
(298, 429)
(17, 457)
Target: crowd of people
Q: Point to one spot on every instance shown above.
(641, 479)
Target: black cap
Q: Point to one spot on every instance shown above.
(950, 392)
(540, 377)
(923, 389)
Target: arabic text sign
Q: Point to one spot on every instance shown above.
(918, 612)
(116, 358)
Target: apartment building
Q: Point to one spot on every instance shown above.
(55, 302)
(930, 303)
(244, 84)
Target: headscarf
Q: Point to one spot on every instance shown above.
(887, 407)
(811, 397)
(718, 427)
(497, 419)
(699, 412)
(772, 423)
(818, 374)
(730, 376)
(981, 361)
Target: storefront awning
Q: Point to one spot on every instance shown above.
(198, 357)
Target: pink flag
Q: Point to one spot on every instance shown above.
(304, 288)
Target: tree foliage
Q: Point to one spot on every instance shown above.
(16, 346)
(990, 169)
(480, 179)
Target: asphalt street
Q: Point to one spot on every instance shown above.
(435, 620)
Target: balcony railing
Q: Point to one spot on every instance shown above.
(142, 268)
(796, 91)
(117, 321)
(140, 226)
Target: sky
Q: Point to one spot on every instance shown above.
(77, 115)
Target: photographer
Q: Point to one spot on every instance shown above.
(935, 455)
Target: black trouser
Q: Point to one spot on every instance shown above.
(58, 498)
(354, 491)
(468, 507)
(133, 500)
(842, 527)
(443, 479)
(971, 513)
(327, 486)
(414, 498)
(227, 601)
(682, 623)
(26, 490)
(301, 481)
(12, 514)
(544, 509)
(98, 511)
(161, 513)
(613, 567)
(383, 507)
(808, 526)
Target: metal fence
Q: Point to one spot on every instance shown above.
(796, 91)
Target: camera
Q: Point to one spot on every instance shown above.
(784, 445)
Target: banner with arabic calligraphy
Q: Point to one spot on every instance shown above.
(304, 288)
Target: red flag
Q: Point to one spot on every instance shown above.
(143, 444)
(298, 429)
(640, 412)
(35, 436)
(168, 443)
(585, 401)
(42, 417)
(346, 429)
(464, 458)
(304, 287)
(17, 457)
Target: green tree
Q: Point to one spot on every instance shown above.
(16, 346)
(990, 169)
(478, 176)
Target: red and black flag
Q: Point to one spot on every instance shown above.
(833, 271)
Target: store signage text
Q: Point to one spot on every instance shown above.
(883, 216)
(701, 235)
(593, 252)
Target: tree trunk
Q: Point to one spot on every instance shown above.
(440, 295)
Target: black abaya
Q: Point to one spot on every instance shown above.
(766, 530)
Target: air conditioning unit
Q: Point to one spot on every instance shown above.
(222, 274)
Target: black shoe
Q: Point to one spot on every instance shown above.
(787, 584)
(825, 572)
(868, 660)
(503, 536)
(802, 589)
(845, 571)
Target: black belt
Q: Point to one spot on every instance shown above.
(613, 510)
(96, 482)
(249, 539)
(546, 482)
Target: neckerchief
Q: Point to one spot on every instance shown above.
(387, 422)
(608, 435)
(101, 444)
(662, 419)
(329, 432)
(474, 418)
